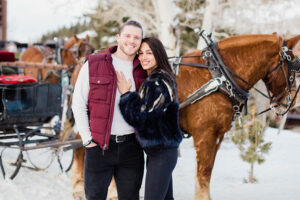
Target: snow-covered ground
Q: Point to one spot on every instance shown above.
(278, 178)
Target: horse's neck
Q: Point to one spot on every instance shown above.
(251, 63)
(75, 74)
(68, 58)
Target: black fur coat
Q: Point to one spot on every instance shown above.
(154, 111)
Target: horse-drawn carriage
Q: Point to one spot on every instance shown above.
(31, 114)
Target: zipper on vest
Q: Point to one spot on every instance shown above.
(111, 107)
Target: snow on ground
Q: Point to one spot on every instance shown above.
(278, 178)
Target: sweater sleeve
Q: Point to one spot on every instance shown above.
(148, 106)
(79, 103)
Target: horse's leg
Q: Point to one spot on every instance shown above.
(112, 191)
(77, 173)
(67, 131)
(206, 146)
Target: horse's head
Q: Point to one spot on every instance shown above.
(84, 48)
(80, 47)
(280, 78)
(255, 57)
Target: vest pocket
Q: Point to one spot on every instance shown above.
(99, 88)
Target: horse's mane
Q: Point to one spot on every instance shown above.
(247, 42)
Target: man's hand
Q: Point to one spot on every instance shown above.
(92, 144)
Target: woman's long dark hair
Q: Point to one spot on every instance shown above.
(160, 54)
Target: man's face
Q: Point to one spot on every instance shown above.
(129, 40)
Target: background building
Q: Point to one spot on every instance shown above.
(3, 19)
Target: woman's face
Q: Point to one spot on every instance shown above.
(147, 58)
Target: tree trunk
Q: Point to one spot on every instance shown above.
(207, 23)
(251, 176)
(166, 16)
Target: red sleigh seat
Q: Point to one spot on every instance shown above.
(15, 79)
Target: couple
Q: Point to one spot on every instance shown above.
(116, 123)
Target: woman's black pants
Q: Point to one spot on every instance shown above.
(160, 165)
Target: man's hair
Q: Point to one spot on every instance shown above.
(131, 23)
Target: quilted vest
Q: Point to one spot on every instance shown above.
(101, 98)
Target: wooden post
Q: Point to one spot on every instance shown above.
(35, 65)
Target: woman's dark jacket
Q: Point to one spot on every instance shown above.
(154, 111)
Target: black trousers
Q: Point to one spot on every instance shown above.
(160, 165)
(124, 161)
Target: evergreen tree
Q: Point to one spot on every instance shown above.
(249, 137)
(65, 32)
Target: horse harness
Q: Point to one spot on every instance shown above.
(293, 67)
(223, 81)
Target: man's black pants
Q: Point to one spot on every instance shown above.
(124, 161)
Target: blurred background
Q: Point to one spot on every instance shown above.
(173, 21)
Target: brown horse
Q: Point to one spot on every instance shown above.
(70, 54)
(252, 57)
(249, 56)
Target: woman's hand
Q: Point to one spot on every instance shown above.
(123, 84)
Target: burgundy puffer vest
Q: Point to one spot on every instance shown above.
(103, 87)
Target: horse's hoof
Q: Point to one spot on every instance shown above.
(113, 198)
(79, 196)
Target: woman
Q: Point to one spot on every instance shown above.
(153, 112)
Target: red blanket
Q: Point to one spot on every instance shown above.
(15, 79)
(7, 56)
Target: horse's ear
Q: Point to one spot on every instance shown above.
(75, 37)
(291, 42)
(296, 49)
(87, 38)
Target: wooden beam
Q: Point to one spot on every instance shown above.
(23, 64)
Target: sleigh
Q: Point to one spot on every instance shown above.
(31, 114)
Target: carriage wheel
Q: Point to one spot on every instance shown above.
(65, 159)
(12, 159)
(41, 159)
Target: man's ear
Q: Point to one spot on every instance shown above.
(118, 37)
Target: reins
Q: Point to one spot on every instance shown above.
(293, 66)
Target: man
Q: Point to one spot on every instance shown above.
(111, 146)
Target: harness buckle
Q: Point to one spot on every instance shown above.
(285, 49)
(236, 108)
(207, 54)
(229, 87)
